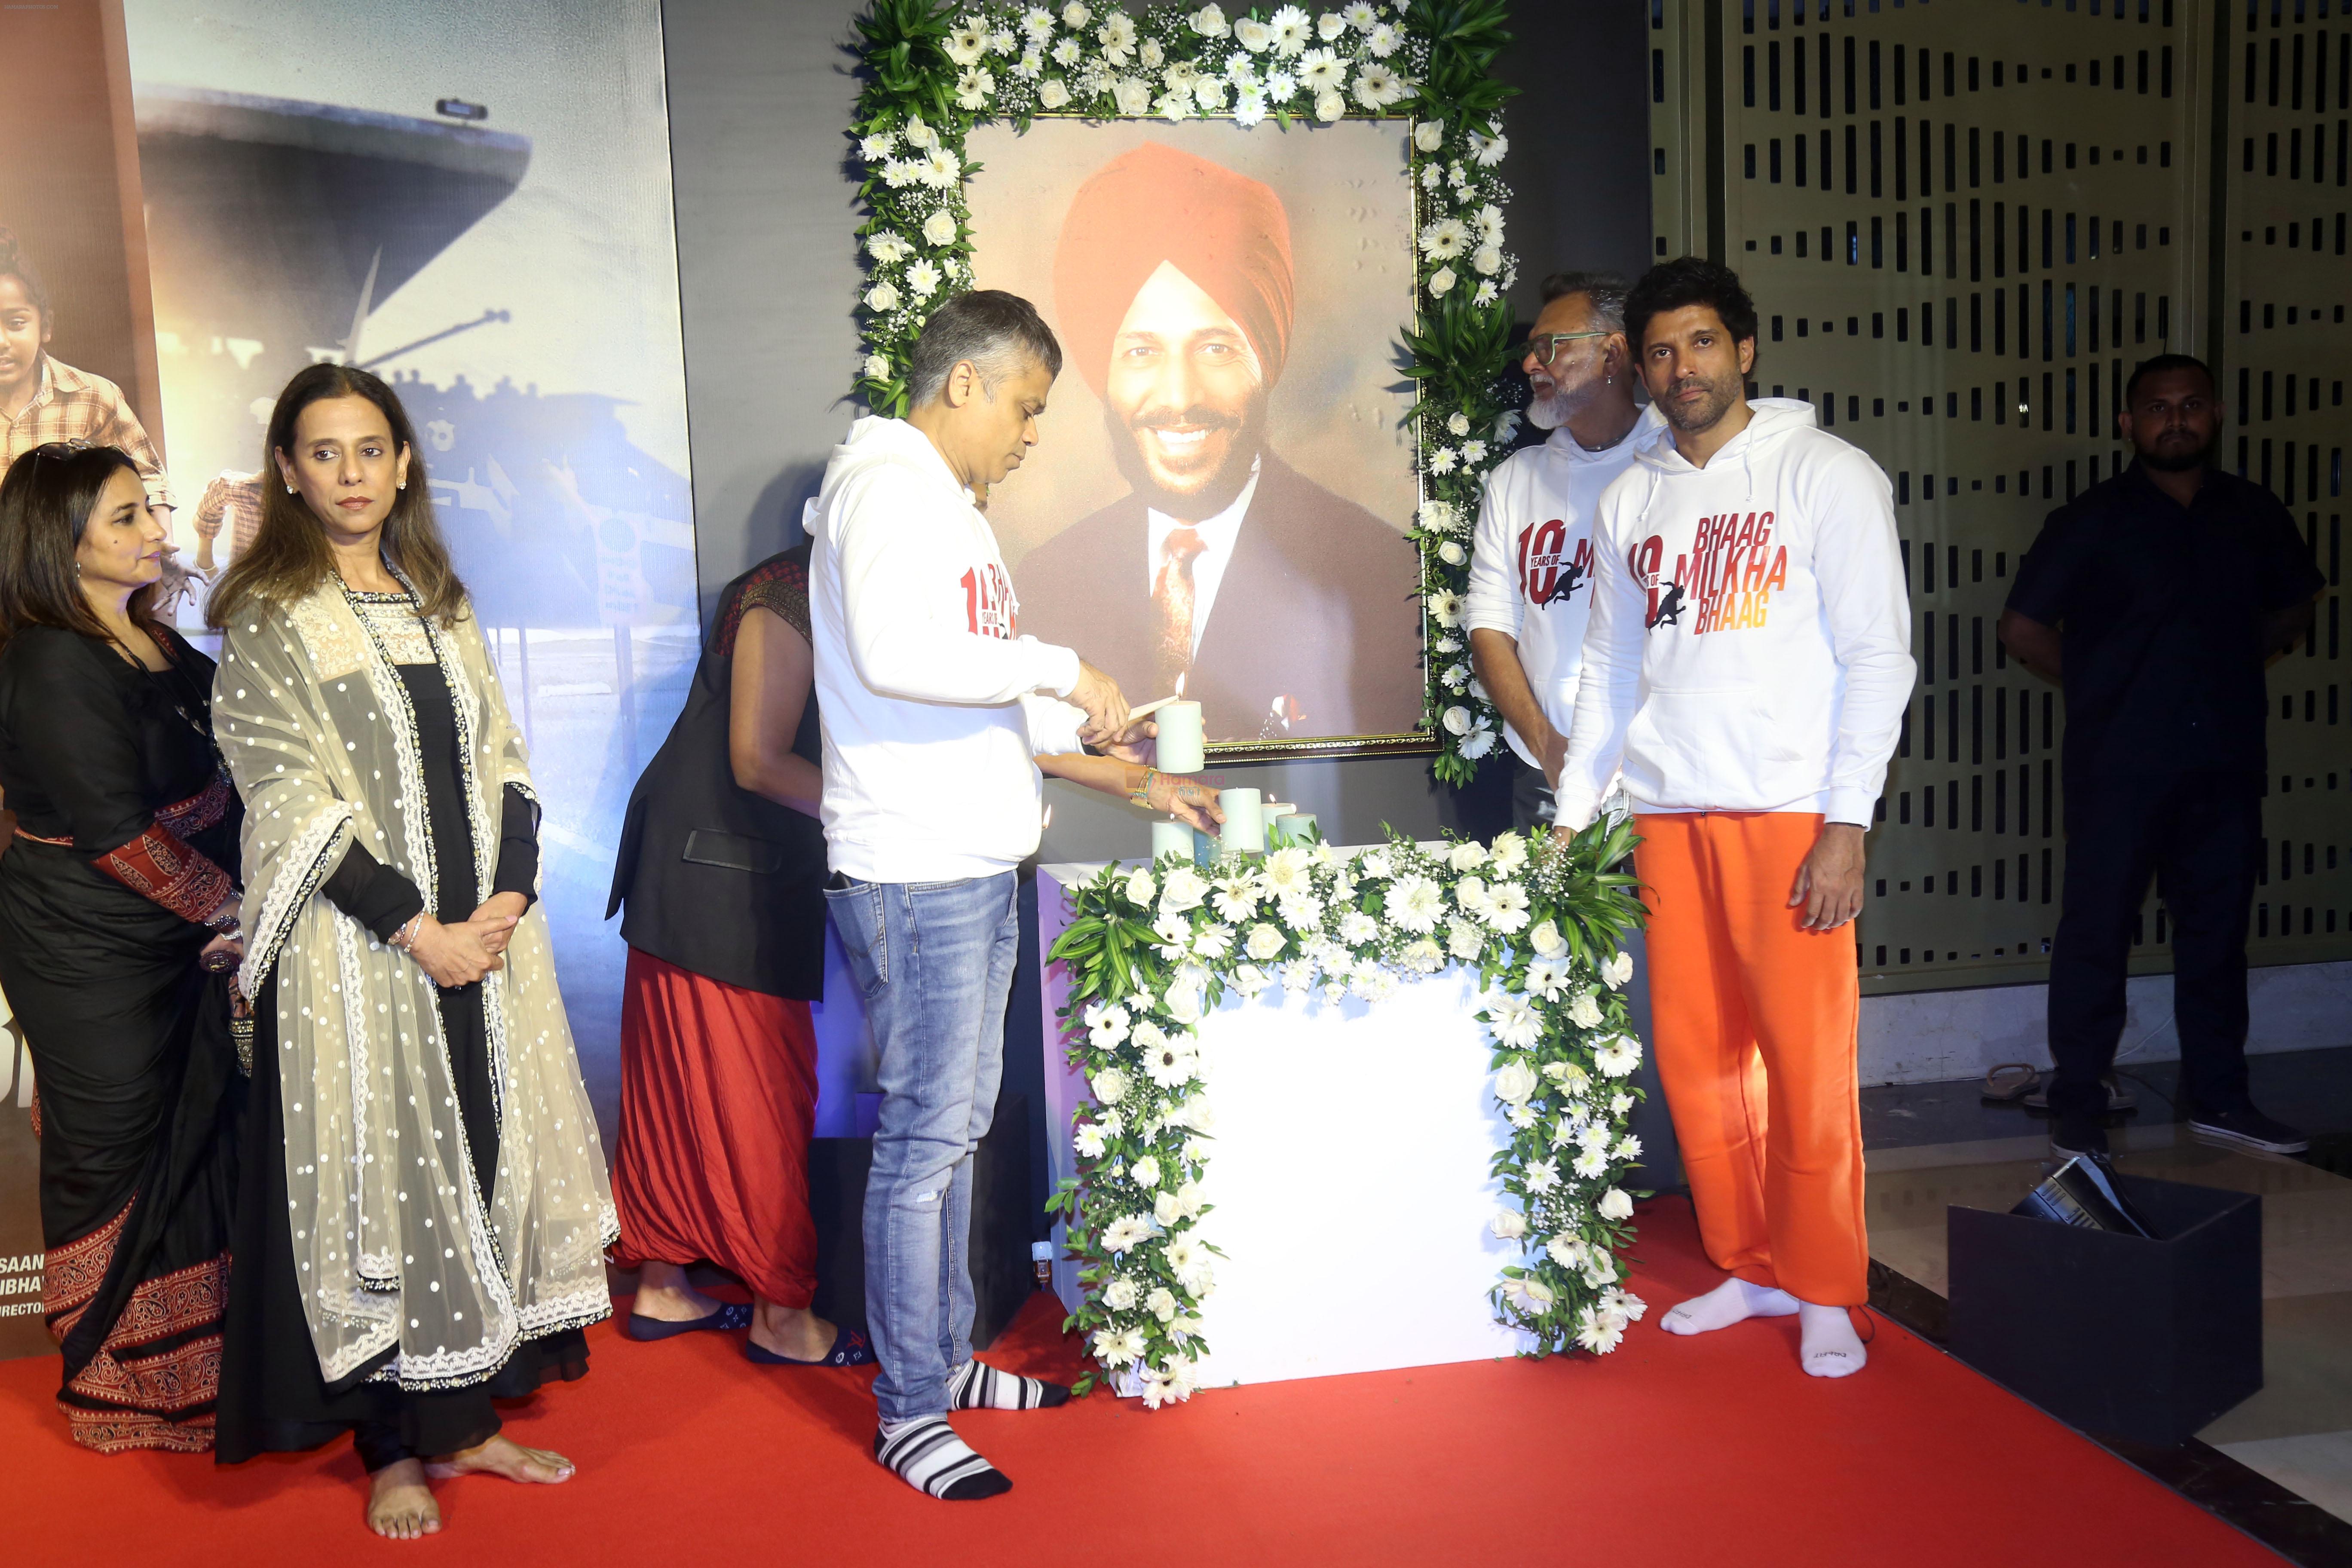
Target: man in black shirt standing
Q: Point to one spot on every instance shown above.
(2156, 599)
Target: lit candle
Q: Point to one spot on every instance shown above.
(1180, 737)
(1293, 827)
(1171, 838)
(1245, 819)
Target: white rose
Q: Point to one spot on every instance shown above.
(1615, 1205)
(1140, 888)
(1053, 94)
(1249, 979)
(1429, 135)
(1330, 106)
(1584, 1012)
(1440, 282)
(1618, 969)
(1120, 1294)
(918, 134)
(1133, 97)
(882, 297)
(1423, 956)
(1110, 1086)
(1515, 1082)
(1546, 940)
(1466, 855)
(1183, 1003)
(1162, 1303)
(1144, 1172)
(1464, 941)
(1183, 891)
(1456, 721)
(1166, 1209)
(1265, 942)
(1253, 35)
(1330, 25)
(939, 228)
(1075, 14)
(1509, 1225)
(877, 368)
(1487, 260)
(1209, 21)
(1151, 54)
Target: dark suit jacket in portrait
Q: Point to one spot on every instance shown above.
(1317, 610)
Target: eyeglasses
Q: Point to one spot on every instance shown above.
(1546, 348)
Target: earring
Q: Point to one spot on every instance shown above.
(402, 485)
(290, 489)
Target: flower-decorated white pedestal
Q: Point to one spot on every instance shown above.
(1351, 1178)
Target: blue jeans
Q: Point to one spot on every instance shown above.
(935, 961)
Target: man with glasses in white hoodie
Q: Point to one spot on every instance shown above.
(937, 717)
(1532, 563)
(1746, 664)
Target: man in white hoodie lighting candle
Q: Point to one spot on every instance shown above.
(1746, 664)
(937, 717)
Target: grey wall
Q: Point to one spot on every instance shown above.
(760, 95)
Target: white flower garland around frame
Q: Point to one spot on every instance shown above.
(936, 70)
(1150, 950)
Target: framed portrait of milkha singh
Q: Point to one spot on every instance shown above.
(1270, 244)
(1227, 475)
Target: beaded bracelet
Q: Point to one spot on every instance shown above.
(1142, 794)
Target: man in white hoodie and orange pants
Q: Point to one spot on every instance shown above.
(1746, 666)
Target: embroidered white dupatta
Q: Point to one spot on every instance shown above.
(395, 1245)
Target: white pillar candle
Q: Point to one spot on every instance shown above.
(1171, 838)
(1179, 748)
(1293, 827)
(1245, 819)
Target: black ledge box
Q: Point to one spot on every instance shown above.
(2112, 1333)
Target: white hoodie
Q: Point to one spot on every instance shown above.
(1531, 565)
(929, 774)
(1749, 648)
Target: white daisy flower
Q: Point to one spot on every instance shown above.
(966, 44)
(1066, 53)
(1413, 904)
(1249, 104)
(876, 147)
(922, 279)
(1292, 31)
(1377, 87)
(1360, 17)
(1321, 70)
(1444, 460)
(1446, 240)
(972, 88)
(1281, 87)
(1485, 294)
(1383, 40)
(943, 168)
(1488, 150)
(1478, 742)
(1474, 451)
(1446, 608)
(1037, 23)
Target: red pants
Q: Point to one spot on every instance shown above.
(1754, 1018)
(718, 1101)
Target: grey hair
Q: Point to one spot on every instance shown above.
(999, 333)
(1605, 289)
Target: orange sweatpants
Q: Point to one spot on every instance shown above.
(1754, 1021)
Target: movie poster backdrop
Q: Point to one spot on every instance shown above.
(475, 203)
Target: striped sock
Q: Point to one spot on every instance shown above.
(976, 1386)
(926, 1455)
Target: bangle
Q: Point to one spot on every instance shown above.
(1141, 793)
(404, 938)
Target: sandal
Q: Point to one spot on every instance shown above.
(729, 1315)
(2010, 1082)
(849, 1349)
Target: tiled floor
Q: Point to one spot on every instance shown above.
(1933, 1146)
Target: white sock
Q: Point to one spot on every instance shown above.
(926, 1455)
(1735, 1300)
(976, 1386)
(1830, 1347)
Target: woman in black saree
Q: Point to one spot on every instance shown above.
(118, 927)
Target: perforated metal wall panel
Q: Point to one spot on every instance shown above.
(1963, 222)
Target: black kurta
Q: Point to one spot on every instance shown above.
(130, 1038)
(273, 1397)
(718, 880)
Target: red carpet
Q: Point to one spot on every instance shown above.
(1715, 1451)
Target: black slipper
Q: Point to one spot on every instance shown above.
(729, 1315)
(849, 1349)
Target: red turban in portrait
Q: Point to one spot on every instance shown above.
(1225, 232)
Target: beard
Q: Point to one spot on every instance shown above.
(1192, 499)
(2176, 458)
(1693, 417)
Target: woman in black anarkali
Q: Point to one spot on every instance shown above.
(118, 880)
(425, 1207)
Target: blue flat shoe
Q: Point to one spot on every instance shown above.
(731, 1315)
(849, 1349)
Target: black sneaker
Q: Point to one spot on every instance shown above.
(2248, 1128)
